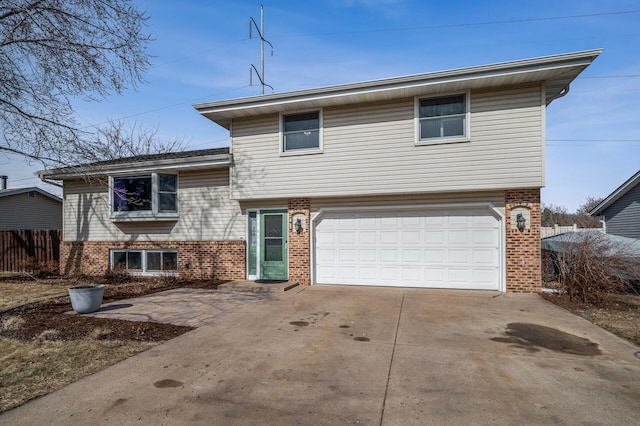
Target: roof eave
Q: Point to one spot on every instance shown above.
(616, 194)
(222, 112)
(192, 163)
(19, 191)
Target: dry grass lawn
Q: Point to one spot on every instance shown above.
(29, 369)
(18, 293)
(32, 369)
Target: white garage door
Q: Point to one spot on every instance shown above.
(455, 248)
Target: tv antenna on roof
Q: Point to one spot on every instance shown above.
(252, 23)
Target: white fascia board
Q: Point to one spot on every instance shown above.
(222, 111)
(146, 166)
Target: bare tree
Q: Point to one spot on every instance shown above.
(120, 139)
(555, 215)
(53, 52)
(559, 215)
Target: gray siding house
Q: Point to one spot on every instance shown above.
(621, 209)
(429, 180)
(29, 208)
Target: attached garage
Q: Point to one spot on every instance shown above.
(453, 247)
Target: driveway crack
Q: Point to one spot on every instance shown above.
(393, 351)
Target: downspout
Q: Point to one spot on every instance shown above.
(560, 94)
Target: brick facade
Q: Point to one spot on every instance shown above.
(219, 260)
(299, 245)
(523, 269)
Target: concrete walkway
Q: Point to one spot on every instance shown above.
(191, 307)
(352, 355)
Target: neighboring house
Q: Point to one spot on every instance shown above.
(29, 208)
(621, 209)
(573, 244)
(429, 180)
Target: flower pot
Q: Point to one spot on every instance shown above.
(86, 298)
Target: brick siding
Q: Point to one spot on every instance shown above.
(299, 247)
(219, 260)
(523, 269)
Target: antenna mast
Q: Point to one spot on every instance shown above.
(252, 23)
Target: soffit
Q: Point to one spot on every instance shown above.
(556, 71)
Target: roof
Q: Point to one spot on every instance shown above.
(140, 163)
(557, 71)
(627, 246)
(615, 195)
(17, 191)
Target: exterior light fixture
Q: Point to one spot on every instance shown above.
(521, 222)
(298, 226)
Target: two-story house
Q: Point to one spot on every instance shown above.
(429, 180)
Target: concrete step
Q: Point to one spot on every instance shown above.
(248, 286)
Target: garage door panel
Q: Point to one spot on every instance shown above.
(433, 237)
(458, 256)
(388, 256)
(368, 237)
(411, 256)
(484, 237)
(434, 256)
(453, 248)
(411, 237)
(458, 237)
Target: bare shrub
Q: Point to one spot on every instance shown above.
(50, 334)
(100, 333)
(590, 267)
(12, 323)
(40, 268)
(118, 275)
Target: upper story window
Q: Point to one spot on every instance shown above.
(144, 196)
(302, 133)
(443, 119)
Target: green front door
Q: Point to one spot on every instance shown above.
(273, 245)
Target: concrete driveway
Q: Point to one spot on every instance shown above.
(353, 355)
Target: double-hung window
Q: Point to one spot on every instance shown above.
(443, 119)
(302, 132)
(149, 196)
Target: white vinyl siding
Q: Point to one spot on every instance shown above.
(206, 213)
(370, 149)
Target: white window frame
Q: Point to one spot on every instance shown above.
(317, 150)
(449, 139)
(142, 215)
(143, 253)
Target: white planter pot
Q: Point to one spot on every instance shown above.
(86, 298)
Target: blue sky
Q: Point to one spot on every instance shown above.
(201, 53)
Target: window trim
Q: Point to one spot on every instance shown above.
(447, 139)
(304, 151)
(142, 215)
(143, 254)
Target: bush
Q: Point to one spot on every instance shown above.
(589, 267)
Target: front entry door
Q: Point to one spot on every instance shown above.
(273, 245)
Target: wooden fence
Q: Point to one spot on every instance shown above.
(29, 250)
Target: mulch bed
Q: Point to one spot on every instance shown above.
(49, 320)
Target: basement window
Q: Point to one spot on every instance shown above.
(145, 262)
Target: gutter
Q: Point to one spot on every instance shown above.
(44, 179)
(146, 166)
